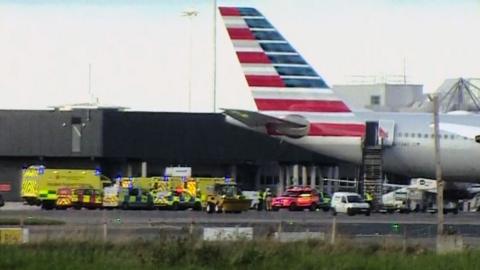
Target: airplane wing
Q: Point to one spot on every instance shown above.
(470, 132)
(256, 119)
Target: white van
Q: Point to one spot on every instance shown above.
(349, 203)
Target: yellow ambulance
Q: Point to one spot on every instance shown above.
(40, 185)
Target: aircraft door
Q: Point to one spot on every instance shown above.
(386, 132)
(371, 133)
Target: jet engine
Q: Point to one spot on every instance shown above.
(294, 132)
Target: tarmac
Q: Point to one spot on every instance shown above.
(152, 224)
(84, 216)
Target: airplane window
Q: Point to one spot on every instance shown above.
(445, 136)
(425, 136)
(413, 135)
(465, 138)
(406, 135)
(432, 136)
(452, 137)
(419, 135)
(399, 134)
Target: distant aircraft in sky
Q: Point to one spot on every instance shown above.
(295, 104)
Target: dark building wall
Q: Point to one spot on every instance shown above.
(114, 140)
(10, 176)
(49, 133)
(181, 138)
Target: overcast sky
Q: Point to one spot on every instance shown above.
(139, 50)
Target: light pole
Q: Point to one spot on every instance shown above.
(438, 168)
(214, 56)
(190, 14)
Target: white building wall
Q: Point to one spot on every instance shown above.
(393, 97)
(359, 96)
(401, 96)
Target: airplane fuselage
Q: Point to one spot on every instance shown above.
(411, 152)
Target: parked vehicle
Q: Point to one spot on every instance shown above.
(448, 207)
(300, 198)
(110, 197)
(226, 198)
(40, 185)
(325, 201)
(89, 198)
(396, 201)
(135, 198)
(179, 199)
(349, 203)
(64, 198)
(2, 201)
(197, 186)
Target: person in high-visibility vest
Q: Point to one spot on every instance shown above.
(260, 206)
(368, 198)
(267, 198)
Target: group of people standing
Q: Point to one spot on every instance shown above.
(265, 200)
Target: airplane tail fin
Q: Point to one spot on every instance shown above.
(279, 78)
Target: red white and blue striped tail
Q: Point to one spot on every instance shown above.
(279, 78)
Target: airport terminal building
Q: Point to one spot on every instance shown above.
(128, 143)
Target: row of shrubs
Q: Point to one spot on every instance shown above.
(182, 254)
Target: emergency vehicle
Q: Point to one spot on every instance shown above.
(204, 185)
(64, 198)
(300, 198)
(89, 198)
(161, 185)
(157, 183)
(135, 198)
(110, 197)
(178, 199)
(40, 185)
(226, 198)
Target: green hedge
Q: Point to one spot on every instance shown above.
(226, 255)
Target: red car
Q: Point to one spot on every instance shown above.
(297, 198)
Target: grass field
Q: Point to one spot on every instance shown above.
(226, 255)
